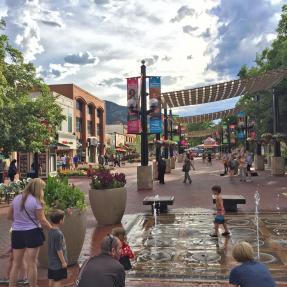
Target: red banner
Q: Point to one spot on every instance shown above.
(133, 104)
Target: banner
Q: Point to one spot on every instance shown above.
(133, 105)
(155, 121)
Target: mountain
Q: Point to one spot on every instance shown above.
(115, 113)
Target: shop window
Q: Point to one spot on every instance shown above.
(99, 113)
(98, 129)
(90, 109)
(70, 123)
(90, 127)
(78, 124)
(79, 105)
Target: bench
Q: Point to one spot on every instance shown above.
(159, 202)
(230, 201)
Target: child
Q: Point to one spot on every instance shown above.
(219, 218)
(126, 253)
(57, 253)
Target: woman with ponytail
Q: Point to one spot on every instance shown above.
(27, 214)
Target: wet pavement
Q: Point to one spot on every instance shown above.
(185, 252)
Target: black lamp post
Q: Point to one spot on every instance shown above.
(144, 138)
(277, 150)
(165, 133)
(170, 128)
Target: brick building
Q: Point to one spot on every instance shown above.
(90, 120)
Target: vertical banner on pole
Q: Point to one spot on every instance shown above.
(133, 104)
(155, 122)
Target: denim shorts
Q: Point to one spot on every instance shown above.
(219, 219)
(26, 238)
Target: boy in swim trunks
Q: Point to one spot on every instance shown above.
(219, 218)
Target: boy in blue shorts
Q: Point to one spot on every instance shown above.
(219, 218)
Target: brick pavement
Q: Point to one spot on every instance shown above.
(196, 195)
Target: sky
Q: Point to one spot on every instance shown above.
(97, 44)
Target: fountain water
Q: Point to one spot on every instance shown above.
(257, 200)
(278, 228)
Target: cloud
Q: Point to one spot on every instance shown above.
(240, 23)
(59, 72)
(85, 58)
(168, 80)
(51, 18)
(206, 34)
(151, 61)
(182, 12)
(166, 58)
(189, 29)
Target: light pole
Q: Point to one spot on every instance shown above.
(144, 139)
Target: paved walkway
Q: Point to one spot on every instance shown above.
(195, 195)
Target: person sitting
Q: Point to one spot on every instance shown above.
(250, 273)
(90, 171)
(105, 268)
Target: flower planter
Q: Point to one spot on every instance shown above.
(74, 230)
(108, 205)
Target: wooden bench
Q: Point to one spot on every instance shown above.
(230, 201)
(159, 202)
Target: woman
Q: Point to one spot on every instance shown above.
(27, 214)
(12, 171)
(250, 272)
(186, 168)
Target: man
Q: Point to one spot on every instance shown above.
(161, 167)
(104, 270)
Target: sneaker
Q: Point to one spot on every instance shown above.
(213, 235)
(226, 233)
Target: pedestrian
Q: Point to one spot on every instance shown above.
(12, 171)
(186, 168)
(161, 168)
(126, 252)
(90, 171)
(27, 214)
(57, 251)
(106, 159)
(209, 157)
(242, 168)
(219, 218)
(64, 161)
(250, 273)
(68, 162)
(249, 161)
(225, 163)
(104, 270)
(191, 157)
(75, 161)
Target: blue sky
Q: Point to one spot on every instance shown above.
(96, 44)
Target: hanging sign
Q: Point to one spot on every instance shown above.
(155, 122)
(133, 105)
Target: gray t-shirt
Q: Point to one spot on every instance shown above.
(56, 242)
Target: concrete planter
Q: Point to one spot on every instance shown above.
(74, 230)
(259, 162)
(108, 205)
(277, 166)
(172, 162)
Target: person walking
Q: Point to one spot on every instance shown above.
(12, 171)
(104, 270)
(27, 214)
(186, 168)
(249, 161)
(250, 273)
(76, 161)
(161, 167)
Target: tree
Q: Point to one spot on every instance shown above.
(260, 105)
(26, 123)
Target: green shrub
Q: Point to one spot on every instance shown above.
(61, 195)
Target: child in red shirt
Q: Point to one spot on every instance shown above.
(126, 253)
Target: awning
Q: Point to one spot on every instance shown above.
(226, 90)
(60, 146)
(206, 117)
(119, 149)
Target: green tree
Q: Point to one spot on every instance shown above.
(26, 123)
(259, 105)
